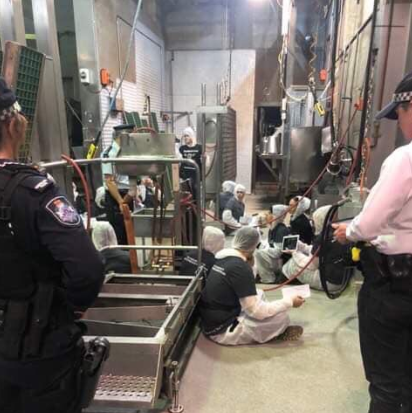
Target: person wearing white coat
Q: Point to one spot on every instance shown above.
(232, 310)
(304, 254)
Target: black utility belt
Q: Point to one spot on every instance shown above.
(394, 267)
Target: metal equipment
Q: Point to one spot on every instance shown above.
(148, 319)
(216, 130)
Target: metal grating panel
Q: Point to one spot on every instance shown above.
(229, 145)
(22, 71)
(126, 389)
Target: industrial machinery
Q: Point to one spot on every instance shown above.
(216, 130)
(148, 318)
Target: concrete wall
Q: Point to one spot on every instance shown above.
(191, 68)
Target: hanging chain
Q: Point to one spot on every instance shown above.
(368, 126)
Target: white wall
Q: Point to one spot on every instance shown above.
(192, 68)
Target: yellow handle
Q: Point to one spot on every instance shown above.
(356, 254)
(320, 109)
(92, 151)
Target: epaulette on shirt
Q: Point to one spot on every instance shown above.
(34, 179)
(37, 182)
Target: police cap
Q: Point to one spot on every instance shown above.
(403, 94)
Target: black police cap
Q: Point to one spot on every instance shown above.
(403, 94)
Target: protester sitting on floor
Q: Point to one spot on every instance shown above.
(115, 260)
(268, 256)
(235, 209)
(232, 311)
(213, 241)
(299, 222)
(278, 228)
(228, 192)
(335, 267)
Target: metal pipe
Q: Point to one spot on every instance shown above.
(143, 159)
(151, 247)
(355, 36)
(203, 94)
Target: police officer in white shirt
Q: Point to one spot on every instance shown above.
(385, 300)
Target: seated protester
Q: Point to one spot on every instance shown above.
(335, 269)
(278, 228)
(213, 241)
(228, 192)
(299, 222)
(235, 209)
(232, 311)
(146, 192)
(115, 260)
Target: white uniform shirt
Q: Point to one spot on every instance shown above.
(386, 218)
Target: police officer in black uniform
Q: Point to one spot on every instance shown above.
(50, 274)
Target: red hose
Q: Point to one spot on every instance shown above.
(85, 187)
(298, 274)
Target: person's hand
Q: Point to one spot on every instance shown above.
(340, 233)
(298, 301)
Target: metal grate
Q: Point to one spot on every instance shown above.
(22, 69)
(133, 389)
(27, 90)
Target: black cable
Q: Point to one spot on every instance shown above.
(323, 255)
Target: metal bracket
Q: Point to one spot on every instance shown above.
(174, 383)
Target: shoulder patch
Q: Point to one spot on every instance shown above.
(63, 211)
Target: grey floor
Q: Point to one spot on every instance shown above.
(322, 373)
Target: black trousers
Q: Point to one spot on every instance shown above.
(115, 217)
(49, 386)
(385, 328)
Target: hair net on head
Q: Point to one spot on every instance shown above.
(189, 132)
(303, 206)
(239, 188)
(279, 211)
(229, 186)
(213, 240)
(246, 239)
(319, 218)
(103, 235)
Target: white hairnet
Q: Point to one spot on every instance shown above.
(103, 235)
(239, 188)
(319, 218)
(279, 211)
(303, 206)
(229, 186)
(213, 240)
(100, 197)
(246, 239)
(189, 132)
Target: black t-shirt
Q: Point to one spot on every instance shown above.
(224, 198)
(231, 278)
(276, 234)
(117, 261)
(301, 226)
(237, 208)
(194, 153)
(190, 263)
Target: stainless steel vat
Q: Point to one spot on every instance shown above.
(306, 161)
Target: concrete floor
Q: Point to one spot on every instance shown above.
(322, 373)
